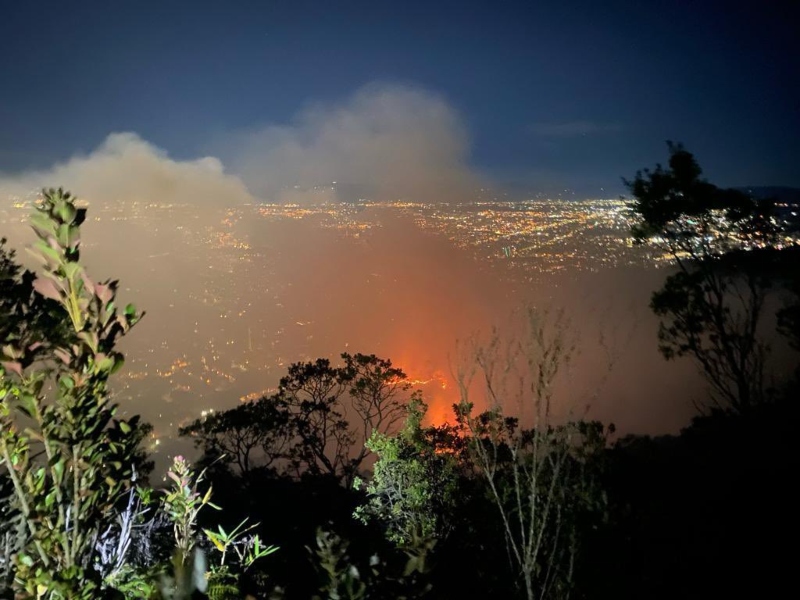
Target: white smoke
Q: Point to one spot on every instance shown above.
(126, 168)
(385, 142)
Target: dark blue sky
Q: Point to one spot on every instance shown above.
(553, 94)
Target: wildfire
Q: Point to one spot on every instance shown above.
(438, 394)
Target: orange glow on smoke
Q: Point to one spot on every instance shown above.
(437, 392)
(440, 411)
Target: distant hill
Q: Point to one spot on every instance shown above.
(787, 199)
(782, 194)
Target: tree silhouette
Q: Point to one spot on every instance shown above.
(723, 243)
(313, 423)
(542, 478)
(251, 436)
(25, 315)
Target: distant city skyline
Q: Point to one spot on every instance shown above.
(234, 295)
(530, 96)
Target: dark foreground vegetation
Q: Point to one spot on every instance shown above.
(335, 486)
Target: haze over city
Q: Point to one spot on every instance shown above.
(381, 299)
(272, 186)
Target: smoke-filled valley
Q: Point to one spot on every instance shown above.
(234, 295)
(238, 284)
(382, 300)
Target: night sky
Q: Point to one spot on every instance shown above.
(549, 95)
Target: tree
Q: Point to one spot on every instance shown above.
(542, 479)
(722, 243)
(307, 426)
(413, 485)
(375, 388)
(251, 436)
(26, 316)
(66, 455)
(311, 394)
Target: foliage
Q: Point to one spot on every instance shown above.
(187, 576)
(182, 503)
(303, 428)
(124, 548)
(253, 435)
(712, 307)
(25, 315)
(67, 456)
(689, 510)
(343, 580)
(694, 218)
(542, 480)
(413, 484)
(375, 387)
(311, 394)
(224, 578)
(315, 397)
(247, 549)
(28, 317)
(10, 522)
(77, 519)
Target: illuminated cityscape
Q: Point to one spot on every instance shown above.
(378, 300)
(230, 330)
